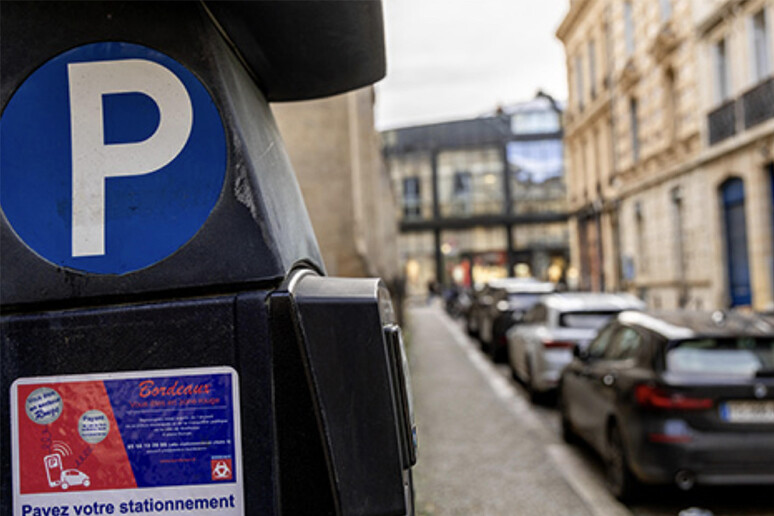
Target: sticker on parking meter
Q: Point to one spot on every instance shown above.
(157, 442)
(113, 157)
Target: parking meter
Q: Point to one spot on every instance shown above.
(169, 342)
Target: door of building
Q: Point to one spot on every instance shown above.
(732, 193)
(771, 183)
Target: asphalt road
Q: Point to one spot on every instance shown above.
(485, 450)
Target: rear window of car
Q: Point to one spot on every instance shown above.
(745, 357)
(522, 302)
(585, 320)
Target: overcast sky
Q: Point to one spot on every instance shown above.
(450, 59)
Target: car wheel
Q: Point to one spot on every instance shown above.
(484, 346)
(620, 479)
(568, 434)
(514, 374)
(86, 483)
(535, 396)
(499, 353)
(469, 327)
(65, 485)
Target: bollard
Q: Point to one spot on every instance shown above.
(169, 342)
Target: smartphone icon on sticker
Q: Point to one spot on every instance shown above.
(53, 465)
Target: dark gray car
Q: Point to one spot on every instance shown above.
(683, 397)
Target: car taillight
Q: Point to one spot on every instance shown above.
(655, 397)
(558, 344)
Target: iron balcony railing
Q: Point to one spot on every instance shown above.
(734, 116)
(722, 122)
(759, 103)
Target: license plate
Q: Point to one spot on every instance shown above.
(747, 411)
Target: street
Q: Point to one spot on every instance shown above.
(485, 450)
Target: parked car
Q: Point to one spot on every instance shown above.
(477, 302)
(675, 397)
(540, 347)
(457, 301)
(511, 299)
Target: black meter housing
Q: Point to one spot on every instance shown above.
(325, 405)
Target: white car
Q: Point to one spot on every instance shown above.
(73, 477)
(542, 346)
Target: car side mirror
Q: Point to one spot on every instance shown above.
(580, 353)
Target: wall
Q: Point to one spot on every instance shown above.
(335, 152)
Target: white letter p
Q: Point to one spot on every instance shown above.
(93, 161)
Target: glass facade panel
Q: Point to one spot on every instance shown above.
(536, 176)
(412, 200)
(475, 255)
(470, 182)
(535, 122)
(418, 258)
(540, 250)
(412, 175)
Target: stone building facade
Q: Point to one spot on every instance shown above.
(336, 154)
(669, 146)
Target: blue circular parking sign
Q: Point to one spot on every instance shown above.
(112, 157)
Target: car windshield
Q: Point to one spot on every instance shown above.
(743, 356)
(585, 320)
(522, 301)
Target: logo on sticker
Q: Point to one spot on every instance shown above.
(113, 157)
(43, 406)
(93, 426)
(221, 469)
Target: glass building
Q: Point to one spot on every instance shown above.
(481, 198)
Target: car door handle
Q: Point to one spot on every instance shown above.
(608, 380)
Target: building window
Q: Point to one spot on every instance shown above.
(671, 115)
(462, 193)
(771, 184)
(760, 41)
(666, 9)
(535, 122)
(579, 81)
(535, 161)
(722, 80)
(676, 195)
(412, 201)
(639, 220)
(593, 68)
(635, 130)
(738, 284)
(629, 28)
(470, 181)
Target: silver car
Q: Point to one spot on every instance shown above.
(541, 347)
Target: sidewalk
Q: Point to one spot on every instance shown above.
(476, 456)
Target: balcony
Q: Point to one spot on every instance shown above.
(734, 116)
(758, 103)
(722, 122)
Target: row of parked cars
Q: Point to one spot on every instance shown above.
(683, 397)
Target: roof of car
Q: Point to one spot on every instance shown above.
(523, 285)
(687, 324)
(592, 301)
